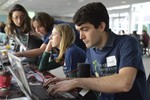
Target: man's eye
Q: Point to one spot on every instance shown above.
(85, 29)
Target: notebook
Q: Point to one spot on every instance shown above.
(34, 92)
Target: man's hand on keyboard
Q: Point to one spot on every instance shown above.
(61, 86)
(53, 80)
(63, 94)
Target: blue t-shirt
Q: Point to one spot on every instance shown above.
(46, 36)
(73, 56)
(120, 51)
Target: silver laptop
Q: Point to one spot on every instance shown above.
(19, 75)
(3, 38)
(32, 92)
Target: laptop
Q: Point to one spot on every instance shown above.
(33, 92)
(3, 38)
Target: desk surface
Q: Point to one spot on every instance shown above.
(15, 93)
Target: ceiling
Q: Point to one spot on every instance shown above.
(61, 7)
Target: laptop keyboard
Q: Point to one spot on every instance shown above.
(40, 92)
(28, 69)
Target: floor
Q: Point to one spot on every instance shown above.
(146, 61)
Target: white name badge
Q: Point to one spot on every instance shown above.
(83, 92)
(111, 61)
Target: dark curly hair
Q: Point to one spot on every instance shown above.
(93, 13)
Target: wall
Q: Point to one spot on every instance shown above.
(67, 19)
(3, 15)
(3, 18)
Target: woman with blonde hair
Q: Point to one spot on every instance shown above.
(68, 55)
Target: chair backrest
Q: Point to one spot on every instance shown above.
(148, 87)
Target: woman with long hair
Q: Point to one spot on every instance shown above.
(18, 23)
(68, 55)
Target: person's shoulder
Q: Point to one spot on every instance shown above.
(126, 38)
(59, 21)
(75, 49)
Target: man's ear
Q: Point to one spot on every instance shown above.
(102, 26)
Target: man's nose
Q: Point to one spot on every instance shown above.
(81, 35)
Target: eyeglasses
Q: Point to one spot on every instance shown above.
(18, 17)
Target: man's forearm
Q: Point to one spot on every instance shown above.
(107, 84)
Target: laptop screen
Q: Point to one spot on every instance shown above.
(18, 72)
(2, 38)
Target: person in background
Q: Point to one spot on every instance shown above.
(145, 40)
(69, 55)
(42, 23)
(2, 27)
(115, 60)
(121, 32)
(136, 36)
(18, 25)
(18, 29)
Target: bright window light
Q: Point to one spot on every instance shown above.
(119, 7)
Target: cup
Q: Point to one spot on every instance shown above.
(83, 70)
(5, 79)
